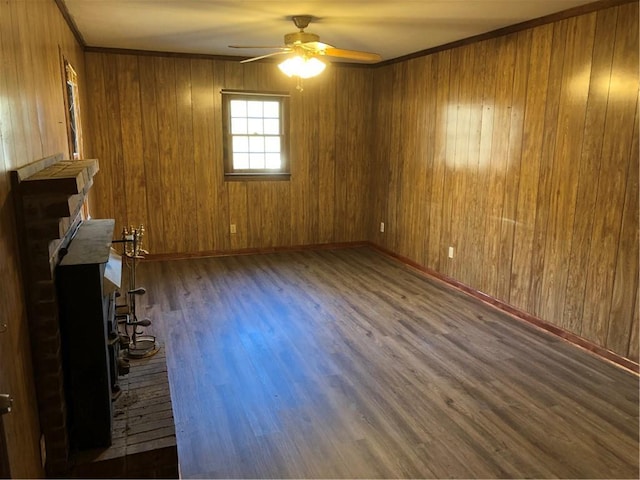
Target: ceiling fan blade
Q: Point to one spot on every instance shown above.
(315, 47)
(264, 56)
(352, 54)
(257, 46)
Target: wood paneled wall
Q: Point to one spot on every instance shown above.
(33, 39)
(156, 128)
(521, 152)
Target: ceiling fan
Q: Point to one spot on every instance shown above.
(307, 44)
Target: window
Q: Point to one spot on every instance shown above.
(256, 137)
(73, 111)
(74, 121)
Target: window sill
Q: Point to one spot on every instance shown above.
(242, 177)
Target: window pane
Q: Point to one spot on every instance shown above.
(271, 126)
(241, 161)
(256, 160)
(254, 134)
(255, 126)
(254, 109)
(271, 110)
(238, 125)
(272, 144)
(273, 160)
(256, 144)
(238, 108)
(240, 144)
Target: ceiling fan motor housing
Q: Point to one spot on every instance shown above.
(300, 37)
(301, 21)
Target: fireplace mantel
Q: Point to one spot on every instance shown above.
(48, 196)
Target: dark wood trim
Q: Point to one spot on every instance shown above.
(70, 23)
(254, 251)
(536, 22)
(153, 53)
(572, 338)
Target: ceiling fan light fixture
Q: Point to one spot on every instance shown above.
(302, 66)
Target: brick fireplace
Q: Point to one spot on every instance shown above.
(48, 197)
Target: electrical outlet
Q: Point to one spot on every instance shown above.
(382, 227)
(450, 252)
(232, 228)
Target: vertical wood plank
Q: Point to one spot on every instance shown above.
(506, 53)
(536, 294)
(342, 132)
(258, 208)
(427, 128)
(625, 282)
(114, 168)
(395, 206)
(184, 161)
(132, 147)
(439, 161)
(618, 135)
(206, 183)
(353, 123)
(459, 160)
(471, 212)
(316, 117)
(589, 168)
(168, 150)
(380, 155)
(220, 213)
(484, 159)
(449, 161)
(275, 221)
(564, 178)
(97, 116)
(238, 214)
(514, 157)
(151, 156)
(527, 208)
(361, 173)
(418, 73)
(303, 131)
(23, 111)
(327, 158)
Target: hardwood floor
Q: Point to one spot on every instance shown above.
(346, 363)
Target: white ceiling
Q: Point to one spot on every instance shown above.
(390, 28)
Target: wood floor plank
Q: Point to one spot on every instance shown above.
(347, 364)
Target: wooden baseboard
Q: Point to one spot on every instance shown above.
(570, 337)
(253, 251)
